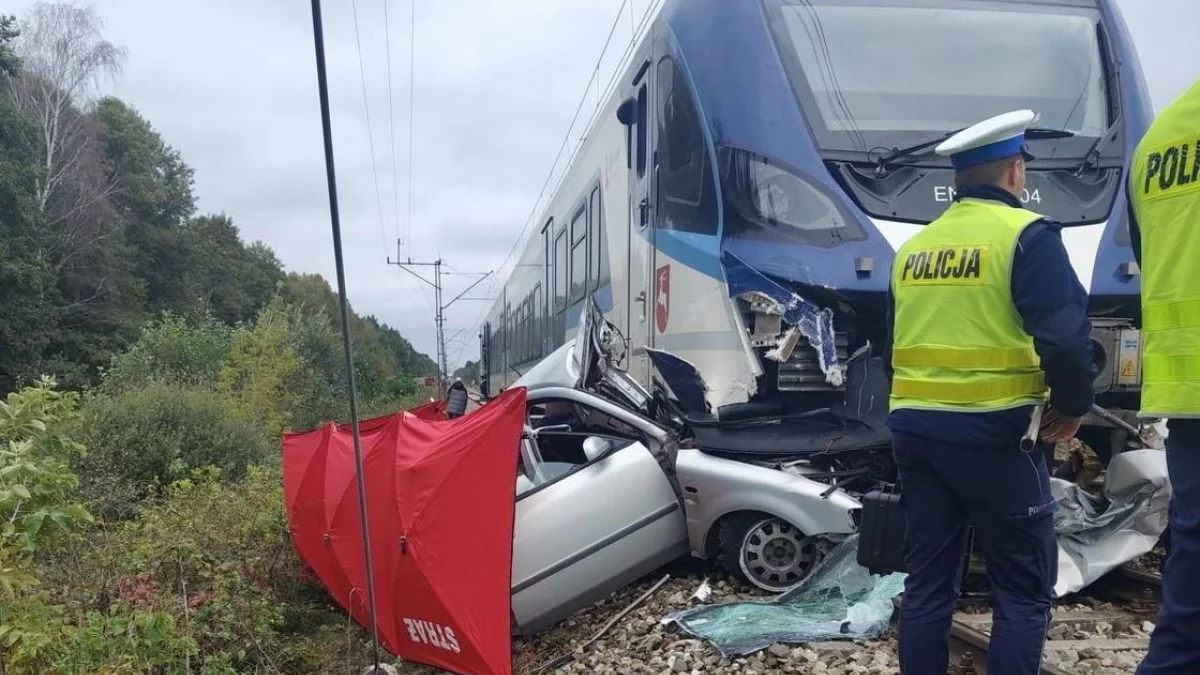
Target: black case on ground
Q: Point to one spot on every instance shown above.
(881, 532)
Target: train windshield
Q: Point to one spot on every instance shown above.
(872, 73)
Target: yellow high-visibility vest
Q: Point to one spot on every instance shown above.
(1164, 188)
(958, 342)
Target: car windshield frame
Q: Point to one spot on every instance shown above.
(859, 143)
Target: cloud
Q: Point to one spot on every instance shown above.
(232, 85)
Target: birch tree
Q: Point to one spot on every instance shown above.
(64, 60)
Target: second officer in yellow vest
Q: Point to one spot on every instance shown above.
(988, 320)
(1164, 189)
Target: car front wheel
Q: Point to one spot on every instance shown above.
(769, 552)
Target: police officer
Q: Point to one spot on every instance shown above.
(1164, 224)
(987, 320)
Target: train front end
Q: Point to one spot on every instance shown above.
(820, 117)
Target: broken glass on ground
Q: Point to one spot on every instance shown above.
(840, 600)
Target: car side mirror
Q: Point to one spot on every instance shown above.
(625, 111)
(595, 447)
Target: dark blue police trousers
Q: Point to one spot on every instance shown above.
(1005, 495)
(1175, 643)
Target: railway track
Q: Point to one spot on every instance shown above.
(1109, 640)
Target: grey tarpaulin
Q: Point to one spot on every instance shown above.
(839, 600)
(1097, 533)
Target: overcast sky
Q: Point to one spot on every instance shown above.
(232, 85)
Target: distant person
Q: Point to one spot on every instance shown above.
(456, 400)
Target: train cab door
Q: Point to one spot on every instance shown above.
(637, 113)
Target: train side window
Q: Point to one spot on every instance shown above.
(521, 333)
(599, 258)
(537, 320)
(642, 116)
(524, 332)
(498, 348)
(515, 322)
(685, 169)
(548, 263)
(510, 353)
(560, 272)
(529, 327)
(579, 252)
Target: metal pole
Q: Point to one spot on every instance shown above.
(440, 319)
(442, 338)
(326, 128)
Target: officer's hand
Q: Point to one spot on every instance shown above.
(1057, 427)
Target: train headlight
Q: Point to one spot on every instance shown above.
(769, 200)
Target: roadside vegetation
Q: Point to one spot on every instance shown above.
(149, 361)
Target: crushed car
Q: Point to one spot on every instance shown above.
(614, 481)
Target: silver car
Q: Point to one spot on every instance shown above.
(607, 491)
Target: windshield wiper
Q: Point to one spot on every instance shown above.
(1092, 156)
(882, 164)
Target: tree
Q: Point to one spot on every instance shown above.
(64, 58)
(373, 342)
(26, 280)
(9, 63)
(468, 373)
(234, 280)
(71, 259)
(152, 197)
(174, 350)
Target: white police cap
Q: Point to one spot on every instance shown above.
(992, 139)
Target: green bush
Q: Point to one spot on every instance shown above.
(288, 371)
(205, 575)
(36, 483)
(173, 349)
(151, 436)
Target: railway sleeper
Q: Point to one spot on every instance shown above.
(1078, 642)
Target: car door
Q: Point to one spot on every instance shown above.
(591, 530)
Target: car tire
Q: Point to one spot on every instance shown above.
(767, 552)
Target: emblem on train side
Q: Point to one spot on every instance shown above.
(662, 298)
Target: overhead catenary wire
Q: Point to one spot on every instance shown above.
(387, 40)
(636, 29)
(335, 226)
(567, 138)
(367, 111)
(412, 89)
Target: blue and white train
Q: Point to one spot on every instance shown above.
(740, 197)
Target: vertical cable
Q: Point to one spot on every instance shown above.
(327, 131)
(387, 38)
(370, 135)
(412, 56)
